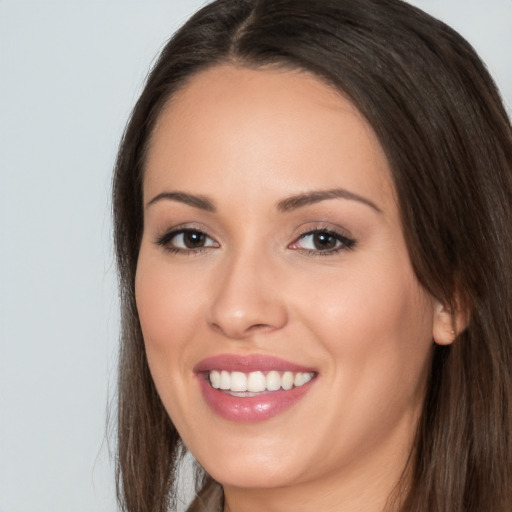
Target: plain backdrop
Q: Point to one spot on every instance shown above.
(70, 71)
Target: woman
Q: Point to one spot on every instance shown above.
(313, 232)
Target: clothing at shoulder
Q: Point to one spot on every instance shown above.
(209, 499)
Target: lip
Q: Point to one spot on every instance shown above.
(252, 363)
(254, 408)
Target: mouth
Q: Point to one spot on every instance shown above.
(256, 382)
(252, 388)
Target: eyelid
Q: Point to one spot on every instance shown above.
(343, 240)
(346, 242)
(165, 239)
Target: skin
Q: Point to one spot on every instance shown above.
(247, 139)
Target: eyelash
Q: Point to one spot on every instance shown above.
(165, 240)
(343, 243)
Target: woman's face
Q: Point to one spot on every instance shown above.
(273, 257)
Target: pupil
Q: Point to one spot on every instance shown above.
(324, 241)
(194, 239)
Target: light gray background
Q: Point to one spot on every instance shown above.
(69, 73)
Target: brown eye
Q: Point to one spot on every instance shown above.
(324, 241)
(193, 239)
(183, 240)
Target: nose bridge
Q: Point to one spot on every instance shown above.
(246, 297)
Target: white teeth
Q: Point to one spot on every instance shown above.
(225, 380)
(238, 381)
(215, 379)
(273, 381)
(302, 378)
(257, 382)
(287, 380)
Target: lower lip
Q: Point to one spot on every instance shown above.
(254, 408)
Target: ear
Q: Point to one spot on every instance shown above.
(448, 323)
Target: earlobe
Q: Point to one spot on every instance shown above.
(448, 324)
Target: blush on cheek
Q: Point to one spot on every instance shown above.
(155, 314)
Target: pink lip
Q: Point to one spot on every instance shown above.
(252, 363)
(255, 408)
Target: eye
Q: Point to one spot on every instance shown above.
(186, 240)
(323, 240)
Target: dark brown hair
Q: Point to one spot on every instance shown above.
(448, 139)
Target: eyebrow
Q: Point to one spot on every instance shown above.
(286, 205)
(293, 202)
(201, 202)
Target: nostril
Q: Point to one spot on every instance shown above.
(240, 307)
(241, 331)
(258, 326)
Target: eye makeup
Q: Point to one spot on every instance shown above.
(322, 242)
(319, 241)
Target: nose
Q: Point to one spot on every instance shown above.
(247, 298)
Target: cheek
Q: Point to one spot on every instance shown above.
(375, 329)
(376, 326)
(365, 305)
(167, 305)
(156, 307)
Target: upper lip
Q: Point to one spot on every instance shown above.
(248, 363)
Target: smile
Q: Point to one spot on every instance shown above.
(249, 384)
(255, 388)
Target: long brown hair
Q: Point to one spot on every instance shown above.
(448, 139)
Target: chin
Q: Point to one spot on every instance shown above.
(252, 471)
(252, 476)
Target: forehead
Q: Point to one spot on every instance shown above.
(276, 129)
